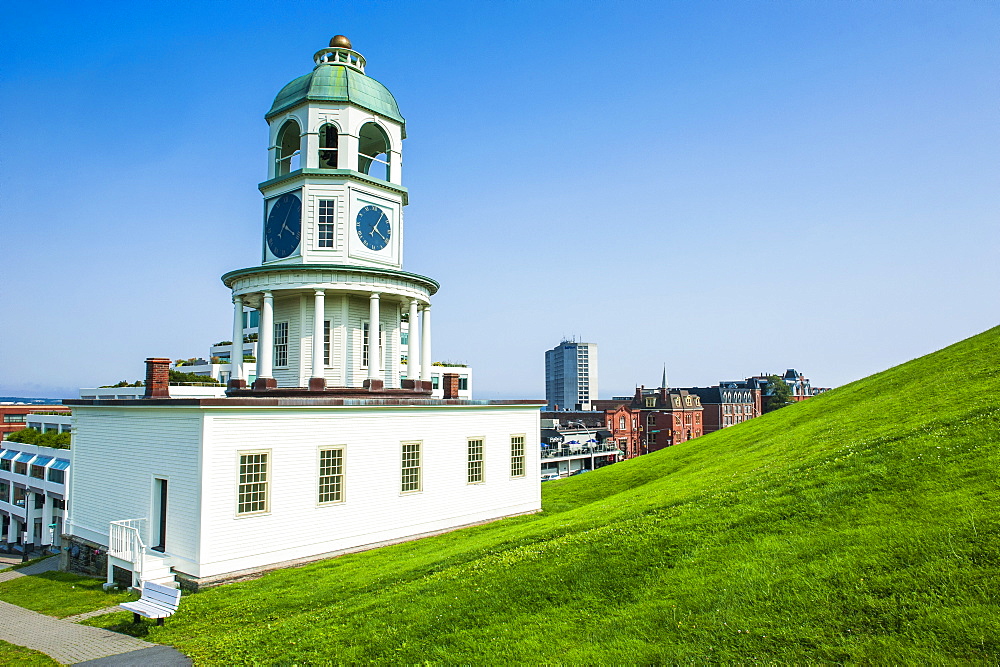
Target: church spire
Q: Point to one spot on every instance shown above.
(663, 382)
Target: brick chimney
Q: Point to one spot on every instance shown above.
(450, 381)
(157, 378)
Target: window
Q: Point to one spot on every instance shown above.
(57, 476)
(331, 475)
(58, 503)
(5, 465)
(687, 401)
(404, 338)
(364, 344)
(697, 418)
(326, 222)
(621, 423)
(281, 343)
(4, 492)
(463, 384)
(328, 147)
(286, 149)
(326, 342)
(517, 456)
(251, 319)
(475, 461)
(373, 151)
(435, 381)
(19, 496)
(38, 472)
(410, 468)
(253, 489)
(14, 419)
(20, 468)
(39, 501)
(651, 402)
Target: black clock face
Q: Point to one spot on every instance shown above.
(284, 225)
(374, 228)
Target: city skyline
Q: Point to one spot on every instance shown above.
(729, 189)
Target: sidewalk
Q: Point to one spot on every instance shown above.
(69, 643)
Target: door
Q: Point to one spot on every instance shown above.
(159, 514)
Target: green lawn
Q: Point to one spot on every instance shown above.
(60, 594)
(18, 655)
(858, 526)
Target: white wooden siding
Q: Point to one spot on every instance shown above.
(374, 509)
(117, 452)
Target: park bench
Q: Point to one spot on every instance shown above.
(157, 602)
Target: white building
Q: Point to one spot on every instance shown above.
(336, 444)
(33, 490)
(571, 376)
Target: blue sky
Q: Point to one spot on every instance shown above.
(724, 187)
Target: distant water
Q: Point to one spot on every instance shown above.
(31, 401)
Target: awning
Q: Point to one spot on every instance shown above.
(24, 457)
(60, 464)
(42, 460)
(8, 454)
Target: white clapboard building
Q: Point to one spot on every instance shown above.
(338, 443)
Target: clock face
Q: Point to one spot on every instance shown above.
(374, 228)
(284, 225)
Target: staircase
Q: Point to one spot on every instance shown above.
(127, 550)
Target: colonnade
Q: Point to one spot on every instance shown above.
(418, 345)
(17, 527)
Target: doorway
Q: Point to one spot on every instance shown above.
(159, 515)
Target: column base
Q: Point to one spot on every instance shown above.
(237, 384)
(419, 385)
(374, 384)
(265, 383)
(317, 384)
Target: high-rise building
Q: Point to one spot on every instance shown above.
(571, 376)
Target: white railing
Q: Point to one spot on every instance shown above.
(125, 543)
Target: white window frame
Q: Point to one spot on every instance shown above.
(280, 344)
(320, 476)
(472, 458)
(240, 483)
(518, 457)
(327, 341)
(326, 223)
(419, 485)
(364, 345)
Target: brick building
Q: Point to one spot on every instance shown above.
(14, 417)
(654, 419)
(727, 404)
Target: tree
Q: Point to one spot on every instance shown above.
(778, 393)
(178, 376)
(31, 436)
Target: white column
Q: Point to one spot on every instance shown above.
(265, 338)
(425, 346)
(413, 344)
(12, 526)
(319, 314)
(373, 337)
(29, 517)
(236, 356)
(47, 520)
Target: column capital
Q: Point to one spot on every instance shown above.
(267, 294)
(319, 292)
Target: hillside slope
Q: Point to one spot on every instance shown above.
(860, 525)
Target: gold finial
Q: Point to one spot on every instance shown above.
(340, 42)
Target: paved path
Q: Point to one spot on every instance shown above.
(48, 565)
(69, 643)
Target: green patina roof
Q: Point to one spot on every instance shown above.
(337, 83)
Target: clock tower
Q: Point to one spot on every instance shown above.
(330, 287)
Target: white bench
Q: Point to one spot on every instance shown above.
(157, 602)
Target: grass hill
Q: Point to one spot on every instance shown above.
(861, 525)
